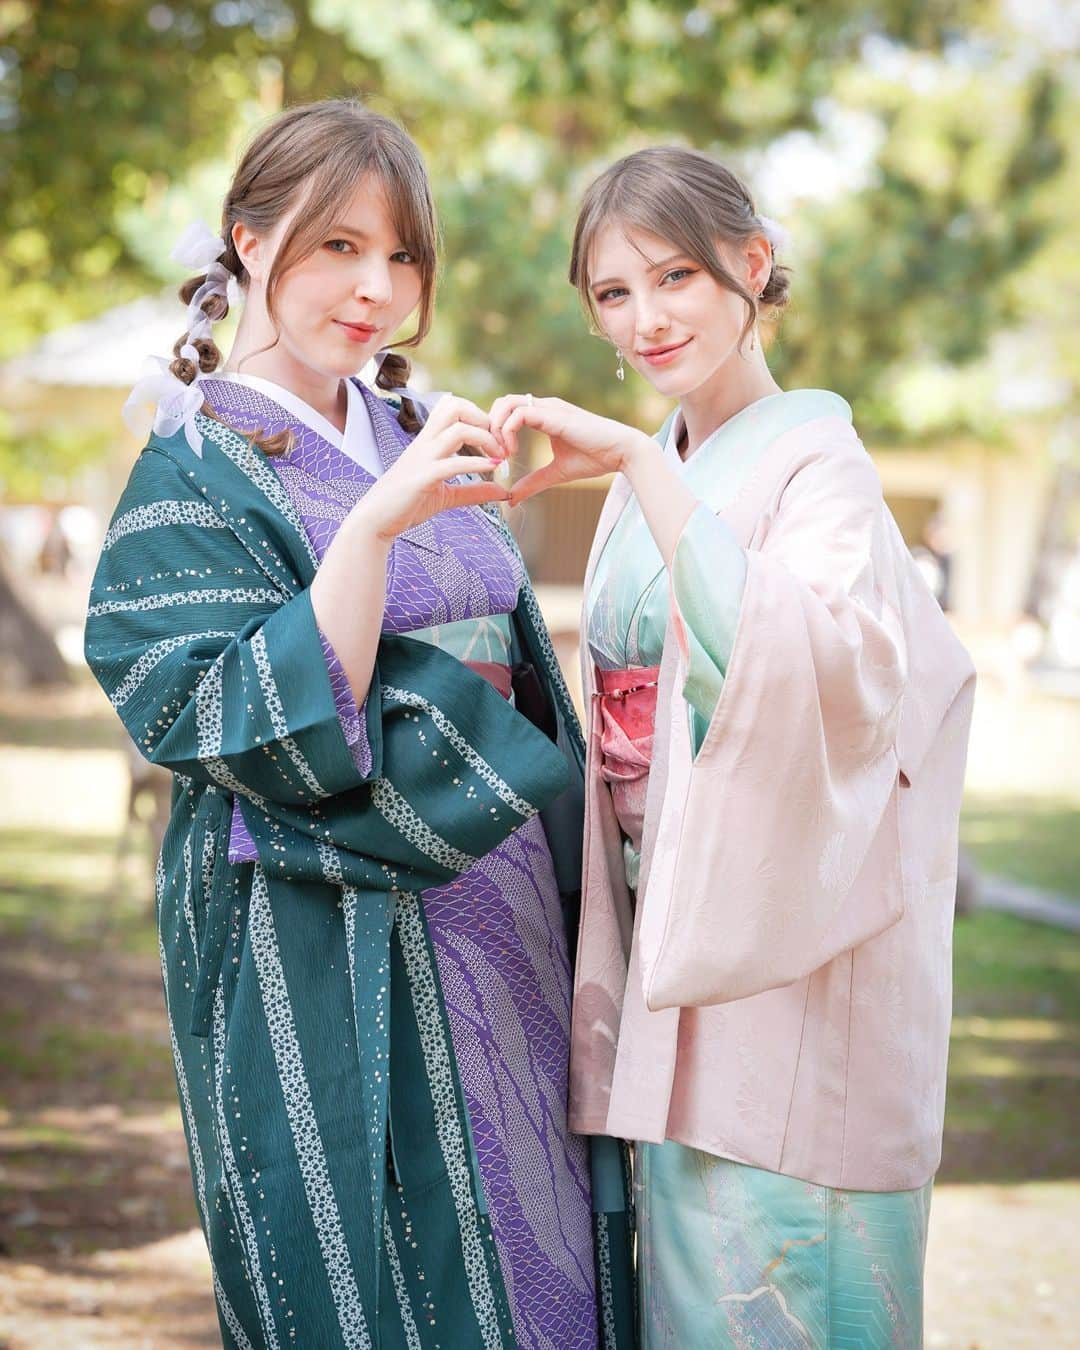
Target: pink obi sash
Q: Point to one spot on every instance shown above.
(626, 700)
(494, 672)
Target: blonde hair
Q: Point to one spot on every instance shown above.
(325, 149)
(684, 196)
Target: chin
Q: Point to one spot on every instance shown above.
(675, 384)
(342, 364)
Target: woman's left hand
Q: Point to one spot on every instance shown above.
(583, 445)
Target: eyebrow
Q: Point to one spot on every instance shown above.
(653, 267)
(348, 229)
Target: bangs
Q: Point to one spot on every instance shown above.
(394, 163)
(663, 216)
(411, 207)
(676, 195)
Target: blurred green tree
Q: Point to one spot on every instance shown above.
(106, 107)
(102, 106)
(915, 273)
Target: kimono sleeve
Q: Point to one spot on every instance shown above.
(217, 672)
(793, 782)
(707, 576)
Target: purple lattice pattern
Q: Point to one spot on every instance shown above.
(501, 953)
(452, 567)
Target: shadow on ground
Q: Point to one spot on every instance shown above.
(91, 1152)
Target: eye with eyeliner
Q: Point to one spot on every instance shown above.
(343, 247)
(671, 277)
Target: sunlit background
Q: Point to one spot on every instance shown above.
(919, 155)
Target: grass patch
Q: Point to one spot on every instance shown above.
(71, 889)
(63, 1055)
(1014, 1067)
(1034, 840)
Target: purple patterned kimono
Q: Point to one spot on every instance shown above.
(498, 929)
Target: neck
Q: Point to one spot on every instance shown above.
(257, 350)
(740, 381)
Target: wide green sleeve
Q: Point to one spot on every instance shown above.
(708, 574)
(216, 670)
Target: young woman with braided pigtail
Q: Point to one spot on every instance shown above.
(371, 870)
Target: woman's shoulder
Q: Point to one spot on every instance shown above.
(160, 465)
(817, 424)
(184, 465)
(816, 403)
(822, 452)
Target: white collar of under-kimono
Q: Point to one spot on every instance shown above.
(358, 439)
(676, 427)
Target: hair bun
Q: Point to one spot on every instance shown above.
(776, 289)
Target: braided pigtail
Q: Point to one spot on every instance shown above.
(200, 355)
(394, 371)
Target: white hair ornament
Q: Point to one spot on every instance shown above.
(175, 403)
(779, 238)
(200, 250)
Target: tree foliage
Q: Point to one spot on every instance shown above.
(111, 108)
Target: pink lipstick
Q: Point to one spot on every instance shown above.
(662, 356)
(357, 332)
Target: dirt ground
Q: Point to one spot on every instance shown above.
(98, 1237)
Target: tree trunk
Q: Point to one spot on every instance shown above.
(25, 642)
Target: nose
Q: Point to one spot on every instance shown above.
(651, 320)
(374, 285)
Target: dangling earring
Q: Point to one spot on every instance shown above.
(620, 373)
(753, 331)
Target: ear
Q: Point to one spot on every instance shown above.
(251, 250)
(759, 262)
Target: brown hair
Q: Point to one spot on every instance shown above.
(325, 149)
(684, 196)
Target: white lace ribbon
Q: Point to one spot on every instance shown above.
(174, 402)
(197, 248)
(200, 250)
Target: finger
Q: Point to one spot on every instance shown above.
(463, 410)
(452, 440)
(442, 469)
(502, 408)
(538, 481)
(541, 415)
(447, 412)
(476, 494)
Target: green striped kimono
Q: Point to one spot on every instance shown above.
(334, 1171)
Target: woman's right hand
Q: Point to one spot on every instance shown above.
(583, 444)
(417, 485)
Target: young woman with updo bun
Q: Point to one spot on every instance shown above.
(777, 723)
(308, 609)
